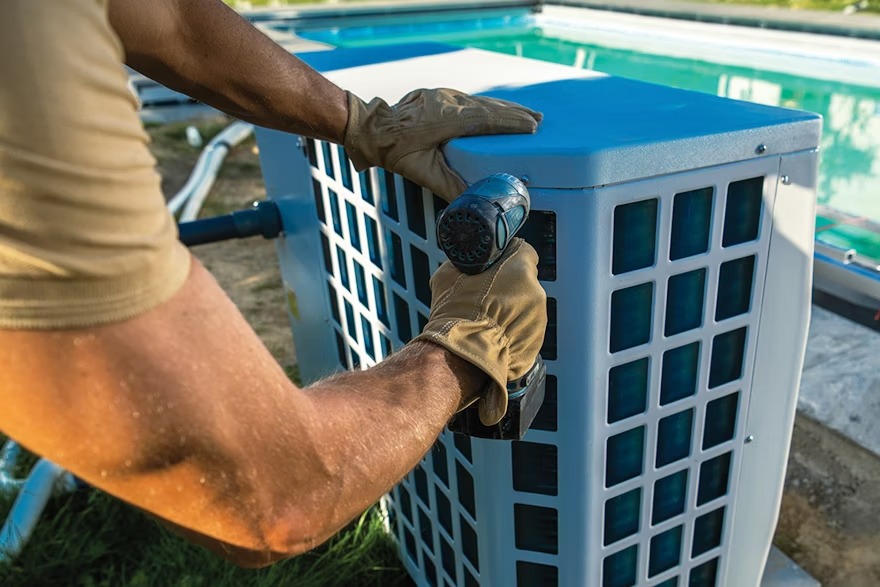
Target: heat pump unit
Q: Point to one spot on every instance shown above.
(675, 236)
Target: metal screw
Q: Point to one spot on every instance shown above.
(786, 180)
(761, 148)
(749, 438)
(524, 179)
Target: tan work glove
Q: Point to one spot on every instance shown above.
(406, 138)
(494, 320)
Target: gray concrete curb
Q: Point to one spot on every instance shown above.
(863, 26)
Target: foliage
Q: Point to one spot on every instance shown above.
(90, 539)
(835, 5)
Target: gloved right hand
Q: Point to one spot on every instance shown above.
(406, 138)
(495, 320)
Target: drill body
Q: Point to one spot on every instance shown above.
(473, 231)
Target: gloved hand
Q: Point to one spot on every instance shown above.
(494, 320)
(406, 138)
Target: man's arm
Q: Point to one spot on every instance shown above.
(170, 401)
(184, 413)
(206, 50)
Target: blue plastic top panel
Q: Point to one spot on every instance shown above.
(597, 129)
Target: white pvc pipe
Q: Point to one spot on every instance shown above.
(192, 195)
(8, 459)
(195, 178)
(9, 456)
(46, 479)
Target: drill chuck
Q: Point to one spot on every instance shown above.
(477, 226)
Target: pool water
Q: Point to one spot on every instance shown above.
(849, 173)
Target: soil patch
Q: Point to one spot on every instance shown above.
(830, 519)
(247, 269)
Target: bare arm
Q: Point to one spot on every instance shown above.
(180, 410)
(184, 413)
(206, 50)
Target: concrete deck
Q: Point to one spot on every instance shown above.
(840, 387)
(865, 26)
(781, 571)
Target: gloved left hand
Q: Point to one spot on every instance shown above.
(406, 138)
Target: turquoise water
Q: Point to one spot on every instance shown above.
(849, 173)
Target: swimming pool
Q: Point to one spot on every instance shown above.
(841, 88)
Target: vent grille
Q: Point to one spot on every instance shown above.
(683, 274)
(677, 380)
(379, 251)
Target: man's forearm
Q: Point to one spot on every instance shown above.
(378, 424)
(371, 427)
(184, 413)
(206, 50)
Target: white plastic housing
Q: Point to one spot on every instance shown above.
(675, 235)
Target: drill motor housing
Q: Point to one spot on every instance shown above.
(473, 231)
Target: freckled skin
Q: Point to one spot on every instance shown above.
(182, 411)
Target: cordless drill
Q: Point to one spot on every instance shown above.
(473, 231)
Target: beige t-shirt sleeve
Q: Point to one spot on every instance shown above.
(85, 237)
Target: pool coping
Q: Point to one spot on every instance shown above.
(381, 7)
(861, 26)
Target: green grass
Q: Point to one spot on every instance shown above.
(834, 5)
(90, 539)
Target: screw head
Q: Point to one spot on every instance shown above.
(762, 148)
(786, 180)
(750, 438)
(524, 179)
